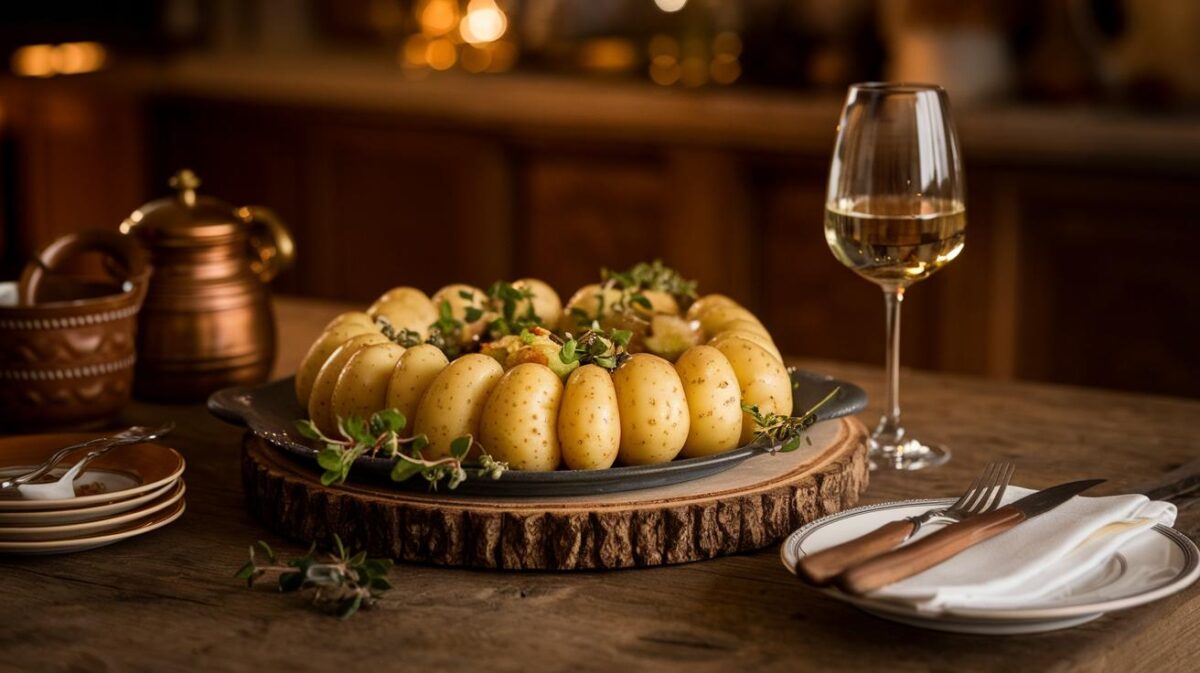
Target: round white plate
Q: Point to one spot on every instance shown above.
(58, 517)
(1157, 563)
(89, 528)
(140, 527)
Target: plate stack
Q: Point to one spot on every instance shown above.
(129, 491)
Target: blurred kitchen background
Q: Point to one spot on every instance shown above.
(428, 141)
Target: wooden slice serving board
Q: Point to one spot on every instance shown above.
(753, 505)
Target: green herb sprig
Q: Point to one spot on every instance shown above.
(341, 583)
(403, 336)
(606, 348)
(446, 331)
(783, 433)
(380, 436)
(505, 298)
(653, 276)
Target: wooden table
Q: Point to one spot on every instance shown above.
(167, 601)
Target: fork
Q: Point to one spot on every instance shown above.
(134, 435)
(984, 495)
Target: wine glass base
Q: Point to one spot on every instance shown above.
(907, 455)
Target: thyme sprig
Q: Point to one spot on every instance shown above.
(446, 331)
(380, 436)
(606, 348)
(653, 276)
(783, 433)
(341, 583)
(505, 299)
(403, 336)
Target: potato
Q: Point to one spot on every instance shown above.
(743, 325)
(351, 317)
(661, 303)
(405, 308)
(402, 295)
(654, 412)
(706, 302)
(362, 387)
(757, 338)
(417, 368)
(319, 352)
(714, 320)
(459, 305)
(589, 421)
(763, 380)
(320, 402)
(546, 302)
(587, 299)
(520, 421)
(454, 402)
(713, 401)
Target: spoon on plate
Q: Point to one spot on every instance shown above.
(64, 486)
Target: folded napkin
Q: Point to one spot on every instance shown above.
(1036, 558)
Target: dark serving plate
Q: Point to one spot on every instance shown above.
(271, 411)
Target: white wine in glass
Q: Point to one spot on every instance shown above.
(895, 214)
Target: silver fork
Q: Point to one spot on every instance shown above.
(134, 435)
(983, 495)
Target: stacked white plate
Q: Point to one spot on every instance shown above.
(129, 491)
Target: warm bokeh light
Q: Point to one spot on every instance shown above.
(412, 54)
(440, 54)
(484, 22)
(670, 5)
(48, 60)
(612, 54)
(437, 17)
(35, 60)
(727, 43)
(664, 69)
(725, 69)
(73, 58)
(663, 45)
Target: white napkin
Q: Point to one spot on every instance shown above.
(1034, 559)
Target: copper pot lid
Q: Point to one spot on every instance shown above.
(185, 218)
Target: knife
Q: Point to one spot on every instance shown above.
(935, 548)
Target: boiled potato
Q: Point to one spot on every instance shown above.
(653, 408)
(362, 387)
(714, 320)
(743, 325)
(416, 369)
(320, 402)
(589, 421)
(351, 317)
(546, 302)
(454, 402)
(713, 401)
(661, 303)
(706, 302)
(757, 338)
(405, 308)
(520, 421)
(763, 380)
(319, 352)
(459, 305)
(587, 299)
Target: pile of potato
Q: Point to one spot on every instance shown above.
(649, 410)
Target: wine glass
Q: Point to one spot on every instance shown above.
(895, 214)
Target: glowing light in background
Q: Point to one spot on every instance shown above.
(670, 5)
(48, 60)
(438, 17)
(484, 22)
(441, 54)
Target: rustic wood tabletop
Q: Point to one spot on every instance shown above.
(168, 600)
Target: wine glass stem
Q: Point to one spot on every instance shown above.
(888, 431)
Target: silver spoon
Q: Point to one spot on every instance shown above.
(134, 435)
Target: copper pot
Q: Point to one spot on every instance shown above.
(207, 321)
(67, 346)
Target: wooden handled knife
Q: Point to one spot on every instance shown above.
(935, 548)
